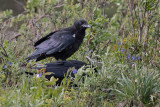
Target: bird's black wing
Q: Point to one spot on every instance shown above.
(44, 38)
(55, 43)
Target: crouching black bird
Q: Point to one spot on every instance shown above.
(60, 68)
(60, 44)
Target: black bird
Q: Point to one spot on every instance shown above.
(60, 69)
(60, 44)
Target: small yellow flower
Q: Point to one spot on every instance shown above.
(115, 47)
(2, 99)
(3, 76)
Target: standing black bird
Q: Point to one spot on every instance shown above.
(60, 44)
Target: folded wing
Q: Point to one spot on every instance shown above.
(57, 42)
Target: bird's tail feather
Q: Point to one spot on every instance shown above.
(33, 56)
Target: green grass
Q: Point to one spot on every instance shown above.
(126, 55)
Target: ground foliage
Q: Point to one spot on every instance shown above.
(124, 48)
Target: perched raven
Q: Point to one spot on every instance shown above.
(60, 44)
(60, 69)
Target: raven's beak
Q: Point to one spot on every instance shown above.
(86, 25)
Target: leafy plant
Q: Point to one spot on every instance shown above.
(123, 48)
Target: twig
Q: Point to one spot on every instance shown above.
(147, 31)
(58, 6)
(82, 4)
(40, 18)
(16, 36)
(5, 52)
(130, 7)
(19, 3)
(2, 39)
(94, 13)
(92, 61)
(109, 41)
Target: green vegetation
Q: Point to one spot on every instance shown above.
(125, 49)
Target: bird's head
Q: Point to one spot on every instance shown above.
(81, 24)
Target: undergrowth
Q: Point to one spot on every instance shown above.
(124, 49)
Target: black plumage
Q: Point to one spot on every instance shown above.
(60, 68)
(60, 44)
